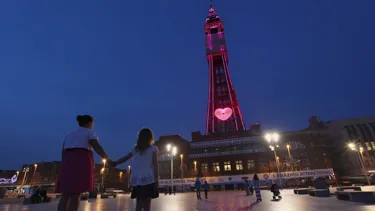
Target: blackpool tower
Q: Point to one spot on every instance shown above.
(223, 111)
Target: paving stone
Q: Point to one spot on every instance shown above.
(218, 201)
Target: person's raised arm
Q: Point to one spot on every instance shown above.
(93, 141)
(123, 159)
(155, 164)
(98, 148)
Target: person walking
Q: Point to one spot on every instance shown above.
(144, 176)
(246, 187)
(256, 183)
(198, 185)
(77, 168)
(205, 187)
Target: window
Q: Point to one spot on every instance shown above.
(216, 166)
(250, 164)
(204, 167)
(227, 166)
(239, 165)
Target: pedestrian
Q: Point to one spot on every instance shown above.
(246, 187)
(144, 177)
(198, 185)
(251, 188)
(257, 187)
(205, 187)
(77, 168)
(275, 190)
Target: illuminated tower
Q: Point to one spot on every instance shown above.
(223, 111)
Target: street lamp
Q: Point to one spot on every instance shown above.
(358, 149)
(120, 176)
(272, 139)
(290, 158)
(103, 171)
(173, 151)
(25, 170)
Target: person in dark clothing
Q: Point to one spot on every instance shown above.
(205, 187)
(198, 185)
(256, 183)
(276, 191)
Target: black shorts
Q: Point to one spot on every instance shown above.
(145, 191)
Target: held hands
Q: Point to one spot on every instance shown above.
(119, 161)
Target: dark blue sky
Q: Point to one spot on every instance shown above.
(134, 64)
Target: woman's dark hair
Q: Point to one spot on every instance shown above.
(84, 120)
(145, 137)
(255, 177)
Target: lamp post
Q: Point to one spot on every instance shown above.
(33, 178)
(120, 176)
(290, 158)
(103, 171)
(25, 170)
(358, 149)
(173, 151)
(182, 172)
(272, 139)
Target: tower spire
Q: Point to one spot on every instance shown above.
(223, 111)
(211, 12)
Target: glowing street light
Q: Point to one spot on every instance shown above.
(103, 171)
(25, 170)
(120, 175)
(272, 139)
(358, 149)
(173, 151)
(290, 158)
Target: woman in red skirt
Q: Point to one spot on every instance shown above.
(76, 175)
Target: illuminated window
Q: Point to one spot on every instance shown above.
(239, 165)
(216, 166)
(204, 167)
(250, 164)
(227, 166)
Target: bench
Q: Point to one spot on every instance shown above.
(320, 193)
(356, 196)
(348, 188)
(302, 190)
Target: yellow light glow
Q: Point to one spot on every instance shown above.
(168, 147)
(104, 161)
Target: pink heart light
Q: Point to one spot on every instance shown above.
(223, 113)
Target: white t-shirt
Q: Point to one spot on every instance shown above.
(79, 139)
(142, 169)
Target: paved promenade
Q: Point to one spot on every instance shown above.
(218, 201)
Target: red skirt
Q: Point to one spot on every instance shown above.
(76, 174)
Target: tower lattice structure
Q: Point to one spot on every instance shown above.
(223, 111)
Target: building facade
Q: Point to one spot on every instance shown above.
(46, 174)
(246, 153)
(359, 131)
